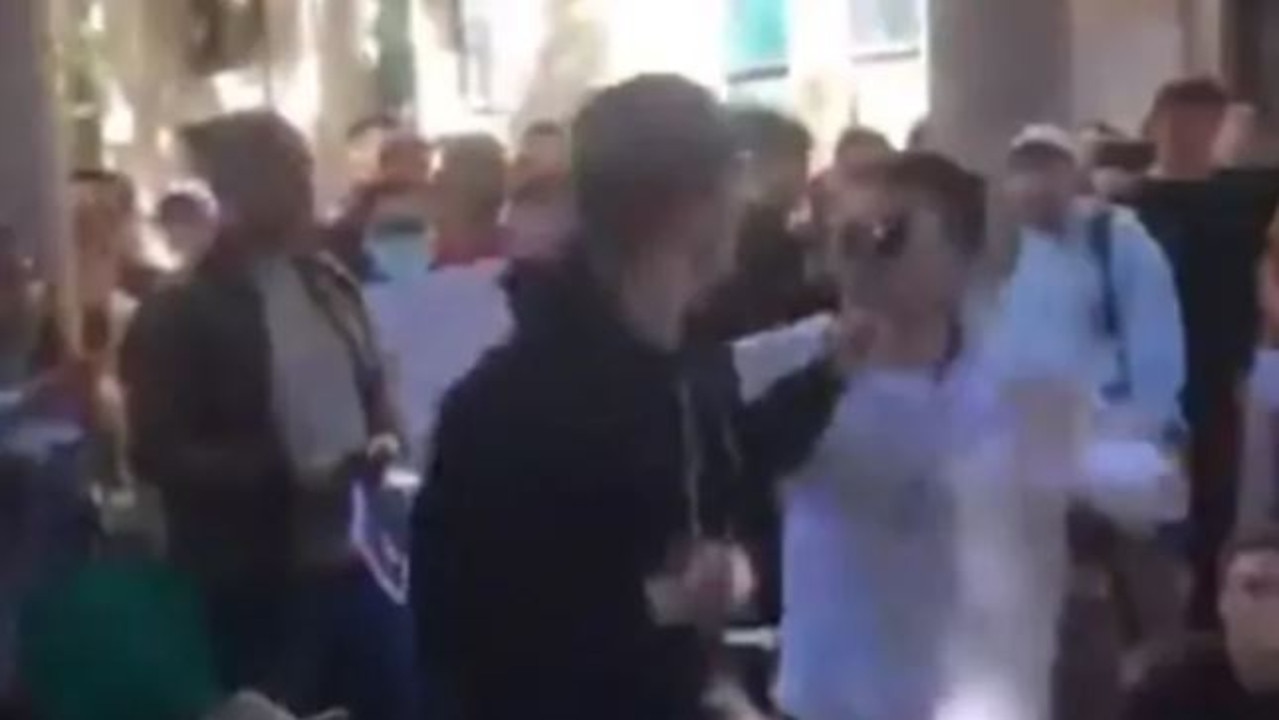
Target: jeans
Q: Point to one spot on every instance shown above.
(328, 640)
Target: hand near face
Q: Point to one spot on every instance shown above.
(851, 339)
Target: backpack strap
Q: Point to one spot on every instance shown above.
(1099, 242)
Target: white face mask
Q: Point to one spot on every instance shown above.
(400, 248)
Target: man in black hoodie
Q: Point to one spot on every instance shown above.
(571, 546)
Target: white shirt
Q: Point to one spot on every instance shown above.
(922, 570)
(1049, 320)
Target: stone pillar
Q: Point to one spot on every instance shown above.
(31, 154)
(995, 66)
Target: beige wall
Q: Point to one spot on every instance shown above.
(998, 64)
(1121, 52)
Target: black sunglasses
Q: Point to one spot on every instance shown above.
(885, 239)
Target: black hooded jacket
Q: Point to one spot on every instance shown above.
(560, 484)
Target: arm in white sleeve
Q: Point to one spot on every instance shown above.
(1134, 482)
(1151, 319)
(767, 357)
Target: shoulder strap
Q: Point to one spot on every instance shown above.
(1099, 227)
(1099, 242)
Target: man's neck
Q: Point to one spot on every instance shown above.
(652, 302)
(1182, 169)
(914, 342)
(1055, 223)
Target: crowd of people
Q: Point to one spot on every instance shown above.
(662, 416)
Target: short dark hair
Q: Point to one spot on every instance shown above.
(1263, 538)
(477, 163)
(1203, 92)
(126, 192)
(958, 195)
(641, 145)
(770, 134)
(369, 123)
(543, 129)
(858, 136)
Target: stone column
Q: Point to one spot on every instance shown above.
(995, 66)
(31, 160)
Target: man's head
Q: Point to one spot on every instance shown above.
(859, 154)
(1249, 601)
(860, 149)
(912, 255)
(778, 149)
(656, 172)
(470, 184)
(113, 190)
(364, 139)
(259, 170)
(189, 222)
(1184, 123)
(1043, 175)
(404, 158)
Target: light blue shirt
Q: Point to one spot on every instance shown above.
(1049, 316)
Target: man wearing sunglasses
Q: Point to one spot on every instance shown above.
(1235, 677)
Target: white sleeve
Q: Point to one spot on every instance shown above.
(767, 357)
(1152, 322)
(1134, 482)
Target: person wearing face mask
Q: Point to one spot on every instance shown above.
(582, 566)
(1234, 676)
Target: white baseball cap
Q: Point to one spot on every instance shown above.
(1046, 136)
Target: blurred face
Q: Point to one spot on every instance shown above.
(1187, 134)
(901, 262)
(405, 161)
(190, 232)
(1040, 191)
(850, 182)
(708, 229)
(471, 185)
(543, 155)
(1115, 184)
(1250, 602)
(779, 182)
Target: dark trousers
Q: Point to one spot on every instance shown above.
(330, 640)
(1214, 475)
